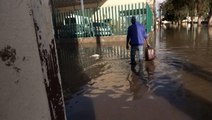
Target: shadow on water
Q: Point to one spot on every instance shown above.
(72, 74)
(187, 101)
(73, 78)
(76, 73)
(80, 108)
(196, 106)
(193, 69)
(185, 53)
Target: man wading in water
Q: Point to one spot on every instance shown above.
(136, 37)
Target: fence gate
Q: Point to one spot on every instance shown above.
(103, 21)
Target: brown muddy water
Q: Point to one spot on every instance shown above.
(100, 84)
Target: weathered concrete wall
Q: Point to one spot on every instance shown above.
(29, 78)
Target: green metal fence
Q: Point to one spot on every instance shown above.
(103, 21)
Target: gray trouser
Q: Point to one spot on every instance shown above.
(133, 53)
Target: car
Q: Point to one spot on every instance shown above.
(74, 26)
(71, 31)
(101, 29)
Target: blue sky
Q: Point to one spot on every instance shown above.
(158, 2)
(157, 5)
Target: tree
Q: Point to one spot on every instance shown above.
(191, 5)
(202, 9)
(174, 10)
(177, 10)
(168, 10)
(180, 10)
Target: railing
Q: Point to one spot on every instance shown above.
(103, 21)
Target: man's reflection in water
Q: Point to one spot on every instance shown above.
(210, 33)
(135, 82)
(140, 78)
(150, 68)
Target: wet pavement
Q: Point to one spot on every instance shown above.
(100, 84)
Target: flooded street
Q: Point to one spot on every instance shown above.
(100, 84)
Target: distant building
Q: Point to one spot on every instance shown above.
(76, 4)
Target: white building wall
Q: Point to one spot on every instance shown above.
(22, 88)
(118, 5)
(122, 2)
(105, 3)
(127, 2)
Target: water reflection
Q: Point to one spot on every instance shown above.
(210, 33)
(184, 78)
(141, 79)
(136, 81)
(150, 68)
(72, 73)
(181, 74)
(77, 62)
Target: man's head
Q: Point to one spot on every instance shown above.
(133, 19)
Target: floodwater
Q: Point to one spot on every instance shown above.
(100, 84)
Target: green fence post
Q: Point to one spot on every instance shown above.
(100, 17)
(112, 9)
(139, 12)
(109, 13)
(143, 9)
(116, 20)
(149, 18)
(87, 30)
(103, 13)
(108, 8)
(132, 10)
(119, 21)
(77, 26)
(125, 19)
(128, 14)
(122, 22)
(91, 20)
(135, 10)
(67, 26)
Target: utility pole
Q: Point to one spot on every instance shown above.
(54, 19)
(154, 11)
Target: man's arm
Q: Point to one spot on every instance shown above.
(147, 42)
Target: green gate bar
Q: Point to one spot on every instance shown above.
(111, 20)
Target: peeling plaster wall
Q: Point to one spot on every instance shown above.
(30, 85)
